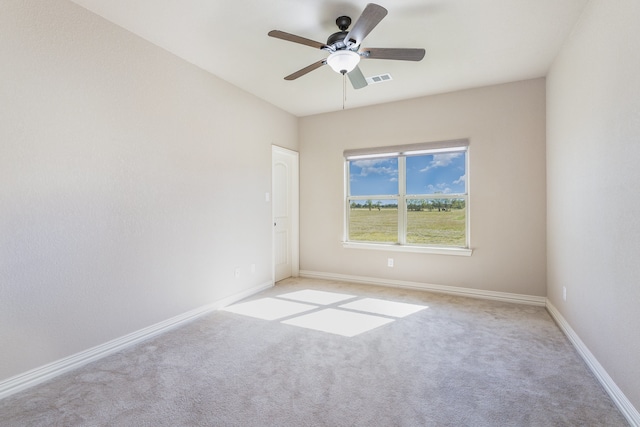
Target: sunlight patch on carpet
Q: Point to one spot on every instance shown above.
(317, 297)
(383, 307)
(269, 308)
(329, 312)
(340, 322)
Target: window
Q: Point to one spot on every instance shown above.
(413, 197)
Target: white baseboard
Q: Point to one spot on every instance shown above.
(51, 370)
(452, 290)
(628, 410)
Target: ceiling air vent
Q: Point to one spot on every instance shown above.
(379, 79)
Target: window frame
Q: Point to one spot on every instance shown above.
(401, 153)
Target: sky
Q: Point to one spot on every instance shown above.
(426, 174)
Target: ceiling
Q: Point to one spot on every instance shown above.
(469, 43)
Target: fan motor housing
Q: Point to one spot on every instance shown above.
(337, 39)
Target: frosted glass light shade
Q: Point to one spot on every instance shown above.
(343, 61)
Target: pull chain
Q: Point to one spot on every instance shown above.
(344, 89)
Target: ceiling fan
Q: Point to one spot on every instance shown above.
(344, 46)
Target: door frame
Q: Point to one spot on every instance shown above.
(295, 211)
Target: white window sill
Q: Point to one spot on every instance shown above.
(407, 248)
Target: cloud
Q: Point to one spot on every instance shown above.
(441, 160)
(368, 167)
(438, 188)
(461, 180)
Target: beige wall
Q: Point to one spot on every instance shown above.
(131, 184)
(593, 150)
(505, 125)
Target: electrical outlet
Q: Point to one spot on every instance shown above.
(236, 272)
(389, 262)
(564, 293)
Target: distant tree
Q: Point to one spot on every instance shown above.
(457, 204)
(369, 204)
(429, 205)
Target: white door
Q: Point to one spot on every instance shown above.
(285, 213)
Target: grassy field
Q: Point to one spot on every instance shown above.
(423, 227)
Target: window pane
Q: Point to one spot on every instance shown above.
(373, 177)
(437, 222)
(437, 173)
(373, 221)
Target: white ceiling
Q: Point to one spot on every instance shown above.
(469, 43)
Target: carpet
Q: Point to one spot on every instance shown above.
(323, 353)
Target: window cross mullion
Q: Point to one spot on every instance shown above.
(402, 204)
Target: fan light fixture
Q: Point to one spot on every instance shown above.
(343, 61)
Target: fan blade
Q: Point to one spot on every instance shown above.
(371, 16)
(357, 78)
(296, 39)
(391, 53)
(306, 70)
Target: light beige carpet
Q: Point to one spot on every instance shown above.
(320, 353)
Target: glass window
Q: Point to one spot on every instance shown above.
(437, 173)
(373, 220)
(373, 176)
(439, 222)
(414, 198)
